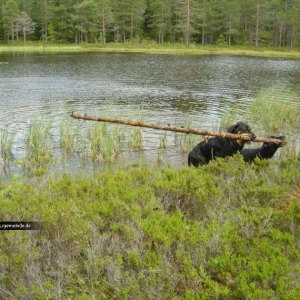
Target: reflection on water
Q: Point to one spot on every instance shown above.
(179, 90)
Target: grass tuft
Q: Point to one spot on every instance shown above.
(67, 135)
(6, 143)
(104, 145)
(276, 109)
(38, 149)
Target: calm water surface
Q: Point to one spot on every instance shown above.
(179, 90)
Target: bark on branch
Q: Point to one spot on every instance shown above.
(245, 137)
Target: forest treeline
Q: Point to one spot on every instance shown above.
(234, 22)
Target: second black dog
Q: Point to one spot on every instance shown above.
(219, 147)
(266, 151)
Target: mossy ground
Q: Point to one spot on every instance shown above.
(228, 230)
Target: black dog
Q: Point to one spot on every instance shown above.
(266, 151)
(205, 151)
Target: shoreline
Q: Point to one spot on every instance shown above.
(172, 49)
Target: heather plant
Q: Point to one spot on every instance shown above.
(227, 230)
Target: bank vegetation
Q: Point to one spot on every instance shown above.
(228, 230)
(152, 48)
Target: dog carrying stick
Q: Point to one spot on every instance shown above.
(177, 129)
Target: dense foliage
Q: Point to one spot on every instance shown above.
(252, 22)
(228, 230)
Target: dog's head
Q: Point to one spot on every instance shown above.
(272, 145)
(240, 128)
(268, 149)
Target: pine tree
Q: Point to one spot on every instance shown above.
(10, 15)
(105, 18)
(187, 18)
(85, 20)
(159, 17)
(231, 11)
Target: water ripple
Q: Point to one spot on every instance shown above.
(165, 89)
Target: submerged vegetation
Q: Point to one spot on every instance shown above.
(229, 230)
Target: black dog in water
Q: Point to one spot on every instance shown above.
(266, 151)
(205, 151)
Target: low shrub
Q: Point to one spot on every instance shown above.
(228, 230)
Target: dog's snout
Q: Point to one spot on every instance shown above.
(252, 135)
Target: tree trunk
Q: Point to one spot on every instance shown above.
(203, 33)
(257, 24)
(103, 26)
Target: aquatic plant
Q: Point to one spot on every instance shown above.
(276, 109)
(67, 136)
(6, 142)
(38, 149)
(160, 156)
(163, 141)
(185, 142)
(135, 140)
(104, 143)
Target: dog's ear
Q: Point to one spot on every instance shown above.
(233, 128)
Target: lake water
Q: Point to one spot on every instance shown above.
(193, 91)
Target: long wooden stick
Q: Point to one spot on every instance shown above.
(245, 137)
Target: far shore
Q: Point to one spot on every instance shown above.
(153, 48)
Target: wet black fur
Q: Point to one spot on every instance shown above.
(214, 147)
(266, 151)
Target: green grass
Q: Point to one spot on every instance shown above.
(229, 230)
(67, 135)
(102, 145)
(276, 108)
(6, 154)
(38, 148)
(136, 139)
(152, 47)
